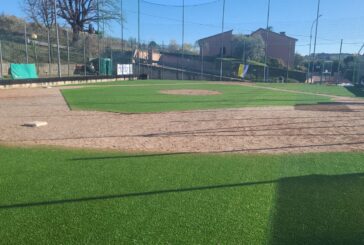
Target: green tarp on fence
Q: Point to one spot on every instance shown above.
(23, 71)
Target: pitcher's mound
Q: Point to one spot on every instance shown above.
(190, 92)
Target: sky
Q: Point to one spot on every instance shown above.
(161, 20)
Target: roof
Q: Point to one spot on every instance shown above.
(272, 32)
(216, 35)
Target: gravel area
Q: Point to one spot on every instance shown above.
(321, 128)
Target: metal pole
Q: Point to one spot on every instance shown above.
(138, 37)
(1, 62)
(84, 55)
(98, 37)
(222, 37)
(244, 56)
(36, 55)
(289, 59)
(26, 43)
(49, 52)
(68, 53)
(309, 53)
(317, 22)
(309, 66)
(58, 51)
(202, 61)
(122, 26)
(339, 65)
(183, 36)
(266, 45)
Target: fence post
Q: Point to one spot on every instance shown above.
(57, 34)
(1, 62)
(68, 53)
(84, 55)
(49, 52)
(26, 43)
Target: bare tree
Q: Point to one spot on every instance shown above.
(79, 13)
(40, 12)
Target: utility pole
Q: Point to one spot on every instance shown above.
(266, 45)
(222, 38)
(339, 65)
(57, 34)
(183, 36)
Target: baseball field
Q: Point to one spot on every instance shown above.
(182, 162)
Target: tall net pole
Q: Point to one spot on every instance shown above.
(138, 52)
(26, 43)
(68, 53)
(57, 34)
(122, 26)
(1, 62)
(317, 23)
(339, 65)
(183, 36)
(222, 38)
(266, 45)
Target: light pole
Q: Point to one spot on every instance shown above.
(309, 52)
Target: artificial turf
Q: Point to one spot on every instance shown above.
(147, 98)
(58, 196)
(357, 91)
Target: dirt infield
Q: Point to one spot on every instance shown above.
(328, 127)
(189, 92)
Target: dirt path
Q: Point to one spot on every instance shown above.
(327, 127)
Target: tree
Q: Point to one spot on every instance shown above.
(40, 12)
(43, 14)
(153, 45)
(248, 47)
(298, 61)
(78, 13)
(173, 46)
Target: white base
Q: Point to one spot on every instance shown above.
(35, 124)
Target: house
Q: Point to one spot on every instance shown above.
(211, 46)
(279, 45)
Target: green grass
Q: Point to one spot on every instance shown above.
(319, 89)
(52, 196)
(138, 99)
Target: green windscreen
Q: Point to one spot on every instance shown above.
(23, 71)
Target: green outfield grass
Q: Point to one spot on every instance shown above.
(53, 196)
(138, 99)
(317, 88)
